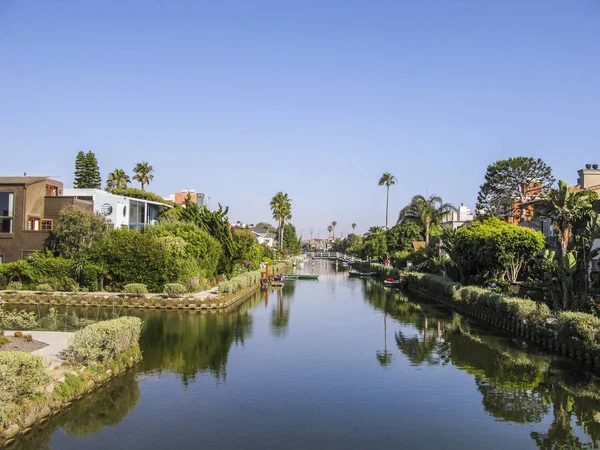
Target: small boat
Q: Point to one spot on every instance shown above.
(390, 282)
(293, 276)
(289, 277)
(362, 274)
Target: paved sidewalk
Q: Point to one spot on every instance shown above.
(57, 341)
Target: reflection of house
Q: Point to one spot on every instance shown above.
(29, 207)
(120, 211)
(458, 218)
(263, 236)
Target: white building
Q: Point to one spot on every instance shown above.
(263, 236)
(458, 218)
(120, 211)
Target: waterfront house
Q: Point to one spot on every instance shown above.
(457, 218)
(120, 211)
(195, 197)
(263, 236)
(29, 208)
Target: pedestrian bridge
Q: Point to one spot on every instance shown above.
(338, 256)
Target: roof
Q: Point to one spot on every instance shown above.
(23, 181)
(417, 245)
(91, 192)
(259, 230)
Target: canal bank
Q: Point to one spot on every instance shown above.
(338, 363)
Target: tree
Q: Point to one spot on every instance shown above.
(270, 228)
(87, 172)
(117, 179)
(387, 180)
(291, 243)
(492, 248)
(401, 236)
(79, 179)
(143, 173)
(512, 183)
(330, 229)
(281, 207)
(334, 224)
(353, 227)
(375, 243)
(426, 212)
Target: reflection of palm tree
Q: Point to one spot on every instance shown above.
(280, 316)
(384, 357)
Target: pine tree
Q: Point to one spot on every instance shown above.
(93, 179)
(79, 179)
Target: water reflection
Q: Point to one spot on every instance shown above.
(515, 386)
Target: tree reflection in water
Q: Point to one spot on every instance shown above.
(515, 385)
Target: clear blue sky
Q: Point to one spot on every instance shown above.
(315, 98)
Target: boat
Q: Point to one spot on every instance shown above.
(277, 284)
(390, 282)
(293, 276)
(362, 274)
(289, 277)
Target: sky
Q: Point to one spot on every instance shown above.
(241, 99)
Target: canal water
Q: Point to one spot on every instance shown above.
(337, 363)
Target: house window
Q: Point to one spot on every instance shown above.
(51, 191)
(47, 225)
(6, 212)
(33, 224)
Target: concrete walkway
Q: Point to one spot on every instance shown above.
(206, 294)
(57, 341)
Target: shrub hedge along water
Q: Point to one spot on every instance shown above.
(104, 340)
(21, 374)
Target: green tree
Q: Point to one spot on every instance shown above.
(493, 249)
(79, 179)
(249, 253)
(330, 229)
(353, 227)
(270, 228)
(117, 179)
(143, 173)
(512, 182)
(426, 212)
(281, 207)
(375, 243)
(291, 242)
(334, 224)
(387, 180)
(401, 236)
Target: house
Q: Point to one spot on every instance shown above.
(120, 211)
(263, 236)
(589, 180)
(179, 197)
(29, 208)
(458, 218)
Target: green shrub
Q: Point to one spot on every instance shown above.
(44, 287)
(136, 289)
(174, 290)
(4, 340)
(103, 340)
(15, 286)
(582, 327)
(21, 374)
(3, 282)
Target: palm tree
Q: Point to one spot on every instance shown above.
(281, 207)
(387, 179)
(330, 229)
(353, 228)
(143, 173)
(117, 179)
(564, 206)
(334, 224)
(425, 211)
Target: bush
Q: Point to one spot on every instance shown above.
(136, 289)
(103, 340)
(44, 287)
(21, 374)
(582, 327)
(3, 340)
(3, 282)
(174, 290)
(15, 286)
(68, 388)
(244, 280)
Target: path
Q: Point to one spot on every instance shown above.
(57, 341)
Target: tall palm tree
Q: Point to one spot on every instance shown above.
(334, 224)
(353, 228)
(117, 179)
(143, 173)
(281, 207)
(387, 180)
(425, 211)
(330, 229)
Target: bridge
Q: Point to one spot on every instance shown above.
(332, 255)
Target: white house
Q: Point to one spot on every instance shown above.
(119, 210)
(263, 236)
(455, 219)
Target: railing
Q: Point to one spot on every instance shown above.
(333, 255)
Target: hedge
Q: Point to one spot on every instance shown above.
(21, 374)
(247, 279)
(103, 340)
(581, 327)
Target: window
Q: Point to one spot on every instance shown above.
(51, 191)
(6, 212)
(33, 224)
(47, 225)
